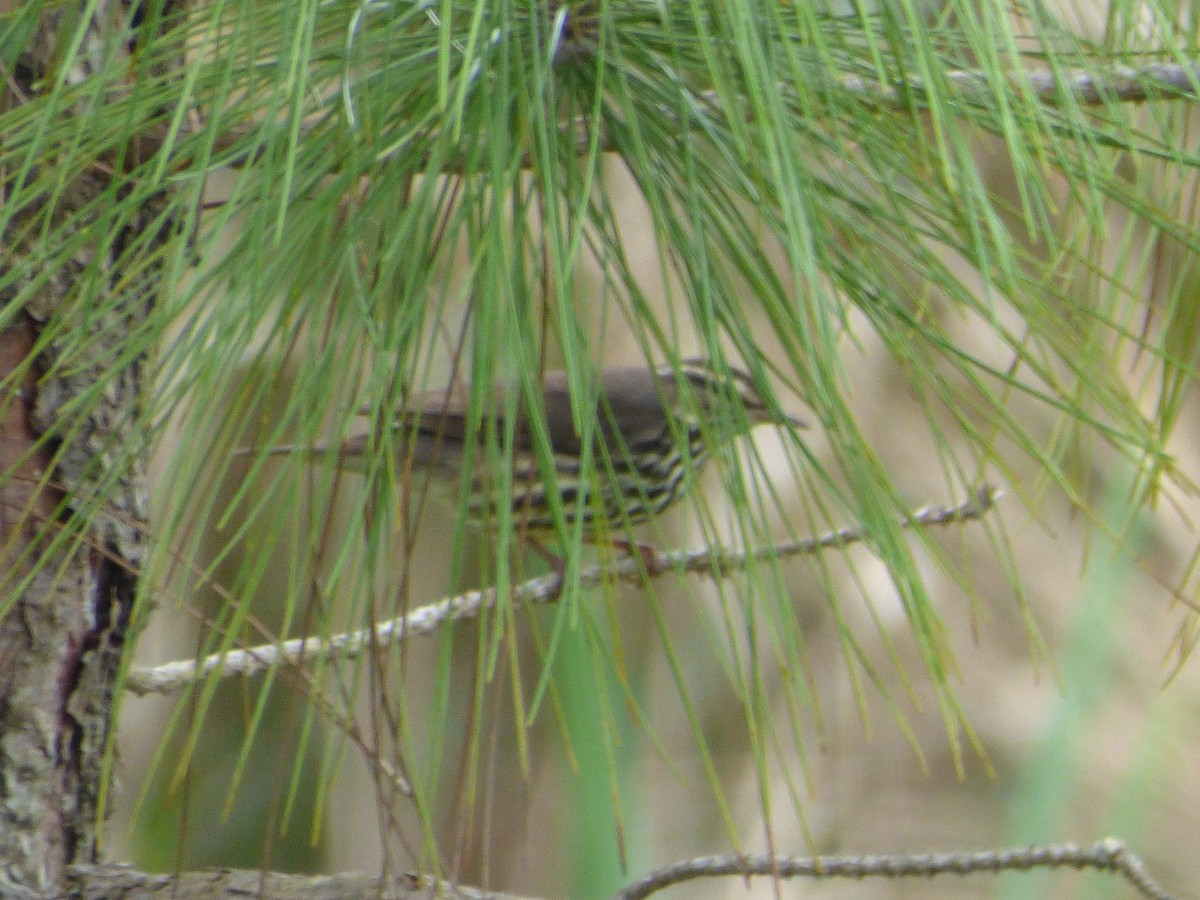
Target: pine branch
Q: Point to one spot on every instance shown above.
(1084, 87)
(1108, 855)
(426, 620)
(104, 882)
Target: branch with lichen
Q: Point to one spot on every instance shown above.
(426, 620)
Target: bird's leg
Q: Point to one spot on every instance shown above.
(557, 564)
(651, 558)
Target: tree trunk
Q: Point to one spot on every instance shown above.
(72, 500)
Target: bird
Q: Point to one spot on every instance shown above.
(651, 424)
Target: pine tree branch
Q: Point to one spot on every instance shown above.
(1108, 855)
(716, 562)
(108, 881)
(1084, 87)
(1081, 87)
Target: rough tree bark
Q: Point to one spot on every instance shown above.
(67, 568)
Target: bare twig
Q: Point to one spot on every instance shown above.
(1086, 87)
(1108, 855)
(717, 562)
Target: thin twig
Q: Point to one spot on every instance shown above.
(1086, 87)
(1108, 855)
(717, 562)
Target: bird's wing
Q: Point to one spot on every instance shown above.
(630, 406)
(627, 412)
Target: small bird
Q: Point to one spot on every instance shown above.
(647, 431)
